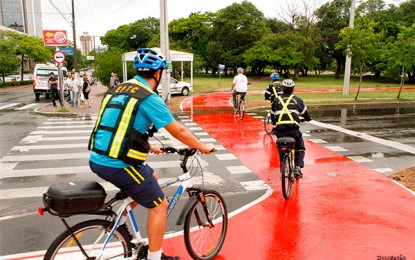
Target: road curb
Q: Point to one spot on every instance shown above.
(50, 113)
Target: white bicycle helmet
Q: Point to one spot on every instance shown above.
(288, 83)
(288, 86)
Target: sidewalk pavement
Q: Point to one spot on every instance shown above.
(96, 95)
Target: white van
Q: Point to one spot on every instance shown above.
(41, 77)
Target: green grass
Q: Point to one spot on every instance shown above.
(204, 83)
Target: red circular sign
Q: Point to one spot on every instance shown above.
(59, 57)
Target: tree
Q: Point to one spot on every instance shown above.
(192, 34)
(9, 62)
(29, 47)
(131, 36)
(142, 32)
(403, 53)
(332, 17)
(110, 61)
(235, 29)
(362, 43)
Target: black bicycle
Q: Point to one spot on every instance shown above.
(268, 126)
(286, 146)
(240, 109)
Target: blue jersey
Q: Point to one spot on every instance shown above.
(152, 110)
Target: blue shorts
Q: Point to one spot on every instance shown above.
(136, 181)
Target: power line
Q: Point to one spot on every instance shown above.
(59, 11)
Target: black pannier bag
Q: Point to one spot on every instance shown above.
(75, 197)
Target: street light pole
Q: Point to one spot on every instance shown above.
(75, 55)
(165, 49)
(346, 83)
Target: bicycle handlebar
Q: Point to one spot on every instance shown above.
(186, 151)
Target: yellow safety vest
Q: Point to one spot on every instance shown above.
(125, 142)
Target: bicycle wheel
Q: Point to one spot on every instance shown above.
(268, 123)
(286, 176)
(91, 235)
(241, 109)
(202, 240)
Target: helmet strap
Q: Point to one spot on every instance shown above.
(159, 79)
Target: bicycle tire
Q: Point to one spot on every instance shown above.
(286, 176)
(204, 242)
(241, 109)
(268, 123)
(87, 232)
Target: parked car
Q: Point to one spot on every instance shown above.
(177, 87)
(41, 77)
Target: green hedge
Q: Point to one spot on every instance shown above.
(16, 83)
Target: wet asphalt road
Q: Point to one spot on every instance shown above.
(381, 139)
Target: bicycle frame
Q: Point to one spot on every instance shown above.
(185, 184)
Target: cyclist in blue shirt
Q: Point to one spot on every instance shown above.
(119, 142)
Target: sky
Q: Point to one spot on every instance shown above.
(99, 16)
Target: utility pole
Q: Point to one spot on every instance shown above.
(75, 54)
(165, 49)
(346, 83)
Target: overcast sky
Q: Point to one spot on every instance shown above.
(99, 16)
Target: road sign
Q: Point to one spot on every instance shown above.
(59, 57)
(67, 51)
(55, 38)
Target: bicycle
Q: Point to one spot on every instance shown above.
(204, 216)
(286, 146)
(268, 126)
(241, 106)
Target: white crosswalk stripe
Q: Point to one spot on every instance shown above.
(63, 141)
(9, 105)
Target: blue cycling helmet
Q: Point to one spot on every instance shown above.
(149, 59)
(275, 76)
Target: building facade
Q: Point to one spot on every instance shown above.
(22, 15)
(87, 43)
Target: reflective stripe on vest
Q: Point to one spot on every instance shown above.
(122, 128)
(104, 103)
(285, 110)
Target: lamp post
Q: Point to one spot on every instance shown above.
(75, 55)
(165, 49)
(346, 82)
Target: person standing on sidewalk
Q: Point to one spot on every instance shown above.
(86, 89)
(119, 142)
(69, 85)
(240, 84)
(53, 86)
(112, 80)
(75, 92)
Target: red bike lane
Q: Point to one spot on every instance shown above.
(339, 210)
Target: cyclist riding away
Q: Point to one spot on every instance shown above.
(273, 89)
(240, 84)
(119, 142)
(287, 109)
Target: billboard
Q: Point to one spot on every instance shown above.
(55, 38)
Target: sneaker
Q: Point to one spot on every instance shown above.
(297, 172)
(164, 257)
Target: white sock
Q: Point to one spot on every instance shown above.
(154, 255)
